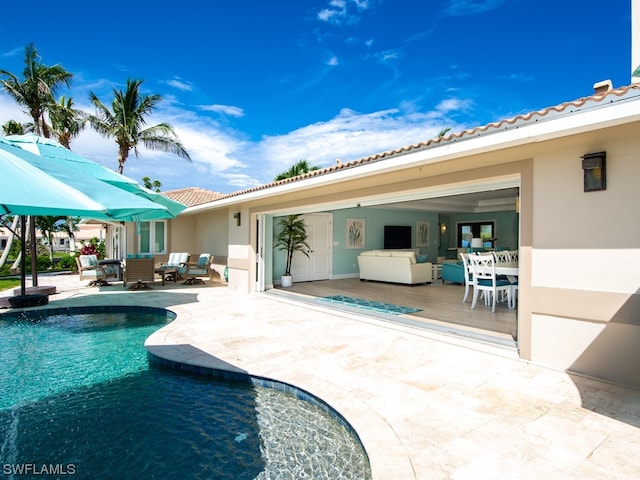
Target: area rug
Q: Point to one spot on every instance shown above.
(370, 305)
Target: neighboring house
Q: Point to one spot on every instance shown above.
(61, 242)
(579, 281)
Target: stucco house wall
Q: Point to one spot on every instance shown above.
(585, 281)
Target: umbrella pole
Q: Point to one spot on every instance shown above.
(23, 300)
(23, 268)
(34, 252)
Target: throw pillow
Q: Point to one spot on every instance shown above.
(421, 259)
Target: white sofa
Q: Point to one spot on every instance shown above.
(395, 266)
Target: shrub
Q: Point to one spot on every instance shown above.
(44, 263)
(94, 247)
(67, 262)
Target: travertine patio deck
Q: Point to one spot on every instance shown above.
(426, 405)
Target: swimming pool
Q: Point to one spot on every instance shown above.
(79, 393)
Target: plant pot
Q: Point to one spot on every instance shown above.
(286, 281)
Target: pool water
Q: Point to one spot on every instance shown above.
(78, 393)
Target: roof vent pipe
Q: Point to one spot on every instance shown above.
(602, 87)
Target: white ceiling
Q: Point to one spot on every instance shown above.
(477, 202)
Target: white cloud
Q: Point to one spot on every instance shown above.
(180, 84)
(453, 104)
(349, 136)
(224, 109)
(343, 11)
(333, 61)
(225, 160)
(15, 52)
(388, 56)
(472, 7)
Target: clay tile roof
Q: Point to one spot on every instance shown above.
(192, 196)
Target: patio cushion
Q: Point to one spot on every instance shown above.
(92, 274)
(88, 260)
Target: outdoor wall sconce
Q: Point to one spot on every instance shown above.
(237, 217)
(594, 166)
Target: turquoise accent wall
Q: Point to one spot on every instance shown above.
(375, 219)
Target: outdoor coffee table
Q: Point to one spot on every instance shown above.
(168, 273)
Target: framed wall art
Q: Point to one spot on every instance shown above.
(423, 232)
(355, 233)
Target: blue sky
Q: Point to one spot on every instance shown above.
(251, 87)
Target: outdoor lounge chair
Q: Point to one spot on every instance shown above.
(138, 271)
(89, 268)
(196, 271)
(175, 267)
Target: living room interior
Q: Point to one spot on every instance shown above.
(435, 228)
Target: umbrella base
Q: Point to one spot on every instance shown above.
(139, 285)
(25, 301)
(37, 290)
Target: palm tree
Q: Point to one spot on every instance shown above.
(11, 127)
(66, 121)
(152, 185)
(126, 121)
(443, 132)
(36, 90)
(299, 168)
(48, 225)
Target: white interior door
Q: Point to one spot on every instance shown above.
(318, 265)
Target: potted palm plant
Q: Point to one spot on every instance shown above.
(291, 238)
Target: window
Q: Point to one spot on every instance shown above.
(152, 237)
(483, 230)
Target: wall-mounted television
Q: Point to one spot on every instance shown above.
(397, 236)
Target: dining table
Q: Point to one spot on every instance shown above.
(507, 268)
(510, 269)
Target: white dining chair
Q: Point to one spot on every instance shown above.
(502, 256)
(467, 275)
(485, 281)
(513, 295)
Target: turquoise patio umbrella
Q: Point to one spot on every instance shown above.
(27, 190)
(62, 156)
(118, 204)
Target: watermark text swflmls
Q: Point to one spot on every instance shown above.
(38, 469)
